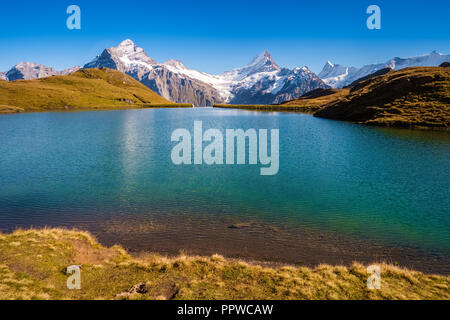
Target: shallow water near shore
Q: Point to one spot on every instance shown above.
(344, 192)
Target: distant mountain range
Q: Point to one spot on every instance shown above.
(338, 76)
(31, 70)
(262, 81)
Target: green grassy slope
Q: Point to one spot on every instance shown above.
(413, 98)
(33, 266)
(85, 89)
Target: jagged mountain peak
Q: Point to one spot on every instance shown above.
(332, 70)
(126, 57)
(127, 43)
(264, 59)
(262, 63)
(129, 48)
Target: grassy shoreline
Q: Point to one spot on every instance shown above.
(8, 110)
(33, 264)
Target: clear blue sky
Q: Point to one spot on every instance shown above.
(218, 35)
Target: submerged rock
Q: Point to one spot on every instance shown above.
(240, 225)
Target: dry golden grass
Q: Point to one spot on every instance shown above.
(413, 98)
(83, 90)
(33, 264)
(314, 103)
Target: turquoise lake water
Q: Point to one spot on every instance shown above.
(91, 169)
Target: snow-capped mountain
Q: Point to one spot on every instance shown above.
(126, 57)
(260, 66)
(261, 81)
(338, 76)
(264, 82)
(170, 79)
(31, 70)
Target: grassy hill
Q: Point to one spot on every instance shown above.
(33, 266)
(314, 100)
(85, 89)
(412, 98)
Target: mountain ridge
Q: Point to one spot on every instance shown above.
(339, 76)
